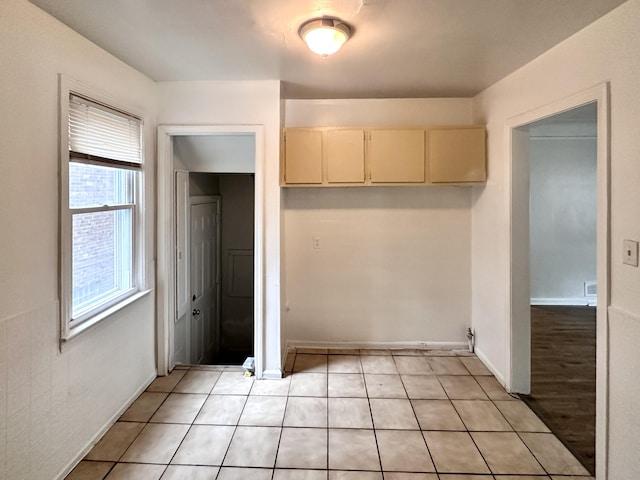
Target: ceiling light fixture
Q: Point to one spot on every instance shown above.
(325, 36)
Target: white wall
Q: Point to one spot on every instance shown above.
(394, 262)
(224, 153)
(562, 219)
(241, 103)
(605, 51)
(52, 403)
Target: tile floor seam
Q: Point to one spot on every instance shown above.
(235, 429)
(445, 390)
(188, 430)
(375, 436)
(131, 443)
(286, 405)
(138, 434)
(513, 427)
(534, 456)
(366, 391)
(328, 461)
(420, 430)
(226, 451)
(496, 407)
(526, 446)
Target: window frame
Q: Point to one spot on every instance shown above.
(69, 326)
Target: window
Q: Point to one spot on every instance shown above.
(100, 209)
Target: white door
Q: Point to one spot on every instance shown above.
(204, 260)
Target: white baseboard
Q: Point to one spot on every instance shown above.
(272, 374)
(496, 373)
(567, 301)
(377, 345)
(73, 463)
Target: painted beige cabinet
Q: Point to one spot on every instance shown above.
(366, 156)
(345, 156)
(396, 156)
(457, 155)
(302, 156)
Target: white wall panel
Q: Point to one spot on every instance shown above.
(56, 403)
(606, 51)
(393, 264)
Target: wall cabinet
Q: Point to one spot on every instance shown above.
(396, 156)
(382, 156)
(457, 155)
(303, 156)
(345, 156)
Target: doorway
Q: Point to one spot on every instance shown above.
(231, 150)
(562, 232)
(521, 268)
(233, 329)
(216, 280)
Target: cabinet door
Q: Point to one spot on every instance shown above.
(303, 156)
(345, 156)
(457, 155)
(396, 156)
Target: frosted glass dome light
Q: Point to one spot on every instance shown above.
(325, 36)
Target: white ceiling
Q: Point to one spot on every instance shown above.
(400, 48)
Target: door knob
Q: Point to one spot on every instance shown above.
(196, 311)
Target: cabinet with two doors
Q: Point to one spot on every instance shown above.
(317, 157)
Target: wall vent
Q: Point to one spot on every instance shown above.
(590, 289)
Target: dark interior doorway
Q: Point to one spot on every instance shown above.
(237, 212)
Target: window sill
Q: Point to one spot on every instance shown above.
(98, 318)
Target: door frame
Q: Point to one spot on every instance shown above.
(165, 237)
(518, 375)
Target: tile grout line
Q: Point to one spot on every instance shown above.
(118, 461)
(284, 414)
(327, 418)
(366, 391)
(424, 440)
(194, 418)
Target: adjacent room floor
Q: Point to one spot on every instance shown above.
(338, 414)
(563, 369)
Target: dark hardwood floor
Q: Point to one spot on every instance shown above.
(563, 375)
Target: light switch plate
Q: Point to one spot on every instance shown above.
(630, 253)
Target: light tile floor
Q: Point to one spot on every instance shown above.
(337, 415)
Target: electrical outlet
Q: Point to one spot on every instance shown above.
(630, 253)
(316, 242)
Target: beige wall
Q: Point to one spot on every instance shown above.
(394, 263)
(53, 404)
(605, 51)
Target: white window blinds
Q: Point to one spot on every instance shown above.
(98, 134)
